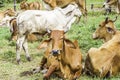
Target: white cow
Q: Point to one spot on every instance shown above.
(32, 21)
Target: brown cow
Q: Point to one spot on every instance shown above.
(67, 55)
(30, 6)
(104, 61)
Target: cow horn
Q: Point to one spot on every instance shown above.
(115, 19)
(106, 20)
(48, 30)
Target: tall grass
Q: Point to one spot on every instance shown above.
(9, 70)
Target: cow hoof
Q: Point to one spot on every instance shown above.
(18, 61)
(45, 77)
(36, 70)
(28, 58)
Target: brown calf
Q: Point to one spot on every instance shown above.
(30, 6)
(9, 12)
(67, 55)
(104, 61)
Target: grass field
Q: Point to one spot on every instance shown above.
(9, 70)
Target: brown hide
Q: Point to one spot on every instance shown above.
(2, 15)
(71, 57)
(65, 53)
(8, 12)
(30, 6)
(63, 3)
(104, 61)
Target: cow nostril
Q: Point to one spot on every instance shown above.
(55, 52)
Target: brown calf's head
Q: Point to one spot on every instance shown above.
(56, 40)
(105, 30)
(10, 12)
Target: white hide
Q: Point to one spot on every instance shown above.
(39, 20)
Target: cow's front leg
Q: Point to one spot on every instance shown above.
(42, 65)
(19, 44)
(77, 75)
(51, 69)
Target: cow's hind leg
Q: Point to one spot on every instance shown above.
(19, 44)
(25, 48)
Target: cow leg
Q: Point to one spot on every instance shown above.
(19, 44)
(50, 71)
(118, 9)
(25, 47)
(13, 37)
(77, 75)
(43, 62)
(41, 67)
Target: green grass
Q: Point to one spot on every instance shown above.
(9, 70)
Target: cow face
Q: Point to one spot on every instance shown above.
(107, 7)
(77, 12)
(105, 30)
(10, 12)
(57, 41)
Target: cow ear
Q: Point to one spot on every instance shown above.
(106, 20)
(69, 43)
(44, 44)
(110, 30)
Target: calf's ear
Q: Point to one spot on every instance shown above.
(44, 44)
(69, 43)
(106, 20)
(110, 30)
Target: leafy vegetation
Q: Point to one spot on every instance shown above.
(9, 70)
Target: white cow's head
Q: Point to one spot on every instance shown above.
(72, 9)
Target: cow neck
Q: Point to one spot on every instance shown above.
(63, 51)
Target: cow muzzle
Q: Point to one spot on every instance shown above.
(55, 52)
(95, 36)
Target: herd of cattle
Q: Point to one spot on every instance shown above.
(62, 56)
